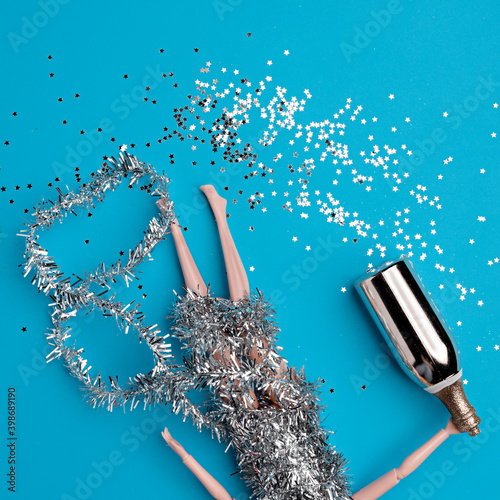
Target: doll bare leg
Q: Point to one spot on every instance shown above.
(194, 281)
(236, 275)
(238, 281)
(192, 276)
(239, 287)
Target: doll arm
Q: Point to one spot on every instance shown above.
(211, 484)
(384, 483)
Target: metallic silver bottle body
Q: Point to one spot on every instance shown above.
(418, 336)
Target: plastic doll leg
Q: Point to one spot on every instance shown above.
(236, 275)
(192, 276)
(237, 278)
(194, 281)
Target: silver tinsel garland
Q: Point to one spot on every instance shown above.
(281, 448)
(69, 294)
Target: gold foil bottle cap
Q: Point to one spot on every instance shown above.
(463, 414)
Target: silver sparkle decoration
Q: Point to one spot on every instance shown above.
(282, 450)
(69, 294)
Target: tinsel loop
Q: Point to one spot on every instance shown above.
(69, 294)
(266, 411)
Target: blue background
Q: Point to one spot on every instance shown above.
(431, 57)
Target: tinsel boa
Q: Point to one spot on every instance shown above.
(281, 449)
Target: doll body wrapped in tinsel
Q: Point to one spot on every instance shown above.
(266, 410)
